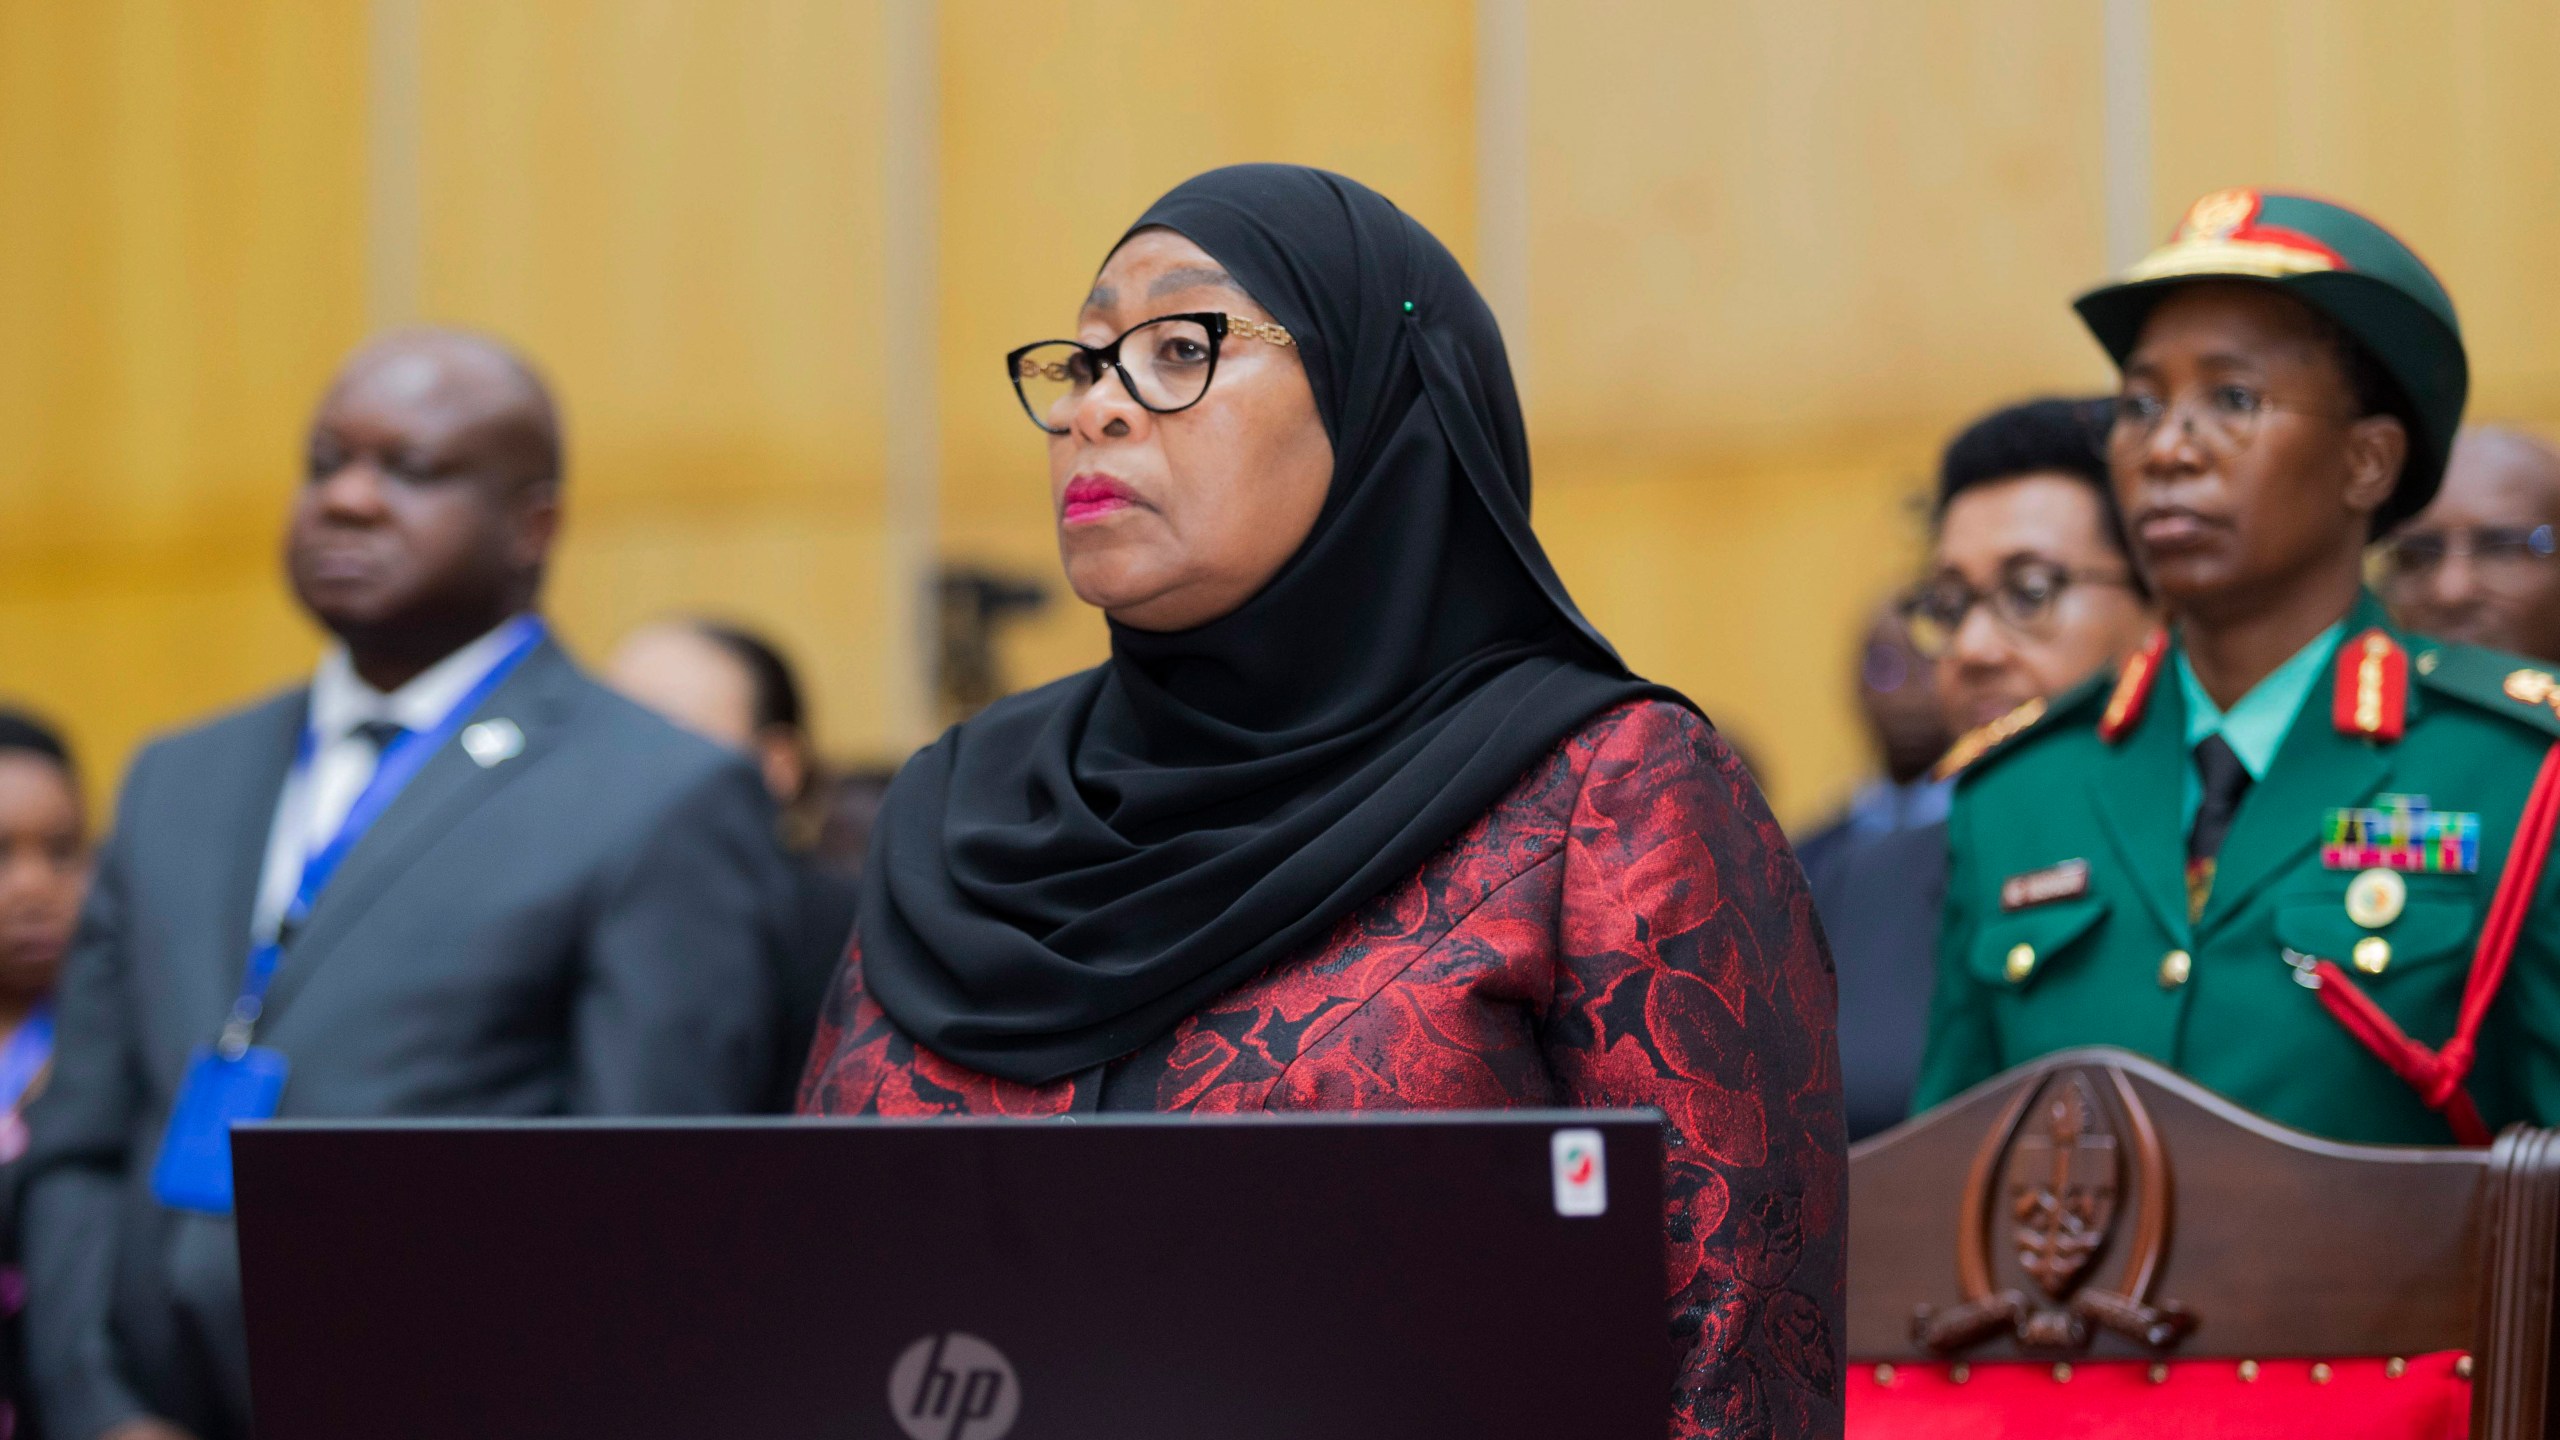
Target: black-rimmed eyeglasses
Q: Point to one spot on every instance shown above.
(1166, 364)
(2022, 600)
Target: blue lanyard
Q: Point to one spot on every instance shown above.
(29, 1050)
(401, 761)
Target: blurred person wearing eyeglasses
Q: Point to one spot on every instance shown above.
(2268, 849)
(2029, 590)
(2477, 565)
(2032, 587)
(1876, 871)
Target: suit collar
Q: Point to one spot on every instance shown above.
(251, 792)
(341, 700)
(536, 700)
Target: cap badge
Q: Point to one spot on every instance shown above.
(2218, 215)
(2403, 833)
(2222, 234)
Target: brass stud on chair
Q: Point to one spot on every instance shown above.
(2394, 1368)
(2062, 1374)
(2159, 1374)
(1959, 1372)
(1884, 1374)
(2248, 1372)
(2320, 1373)
(2462, 1367)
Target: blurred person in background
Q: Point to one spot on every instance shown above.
(2478, 565)
(2029, 590)
(2269, 853)
(2031, 587)
(1877, 871)
(453, 876)
(44, 874)
(733, 686)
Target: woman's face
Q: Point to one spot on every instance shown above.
(1167, 522)
(2228, 515)
(44, 871)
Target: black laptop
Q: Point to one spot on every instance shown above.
(1347, 1277)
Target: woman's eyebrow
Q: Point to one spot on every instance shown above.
(1189, 277)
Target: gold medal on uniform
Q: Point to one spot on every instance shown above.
(2376, 897)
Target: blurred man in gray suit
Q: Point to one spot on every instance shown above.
(452, 876)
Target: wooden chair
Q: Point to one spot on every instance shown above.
(2092, 1245)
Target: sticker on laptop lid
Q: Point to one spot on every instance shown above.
(1582, 1173)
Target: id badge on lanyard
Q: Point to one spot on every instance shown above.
(233, 1081)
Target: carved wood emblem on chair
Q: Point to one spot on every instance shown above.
(2045, 1203)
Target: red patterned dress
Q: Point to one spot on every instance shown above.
(1627, 927)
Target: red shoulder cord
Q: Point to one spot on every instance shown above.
(2437, 1075)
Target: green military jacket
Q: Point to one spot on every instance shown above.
(2066, 919)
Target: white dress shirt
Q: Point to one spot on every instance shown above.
(317, 797)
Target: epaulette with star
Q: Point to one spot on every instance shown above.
(2370, 697)
(2524, 691)
(2132, 693)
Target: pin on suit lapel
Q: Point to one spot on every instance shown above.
(487, 756)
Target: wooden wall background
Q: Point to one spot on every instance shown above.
(1766, 254)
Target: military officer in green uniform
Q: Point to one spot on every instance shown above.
(2265, 850)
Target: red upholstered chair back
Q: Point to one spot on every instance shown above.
(2092, 1246)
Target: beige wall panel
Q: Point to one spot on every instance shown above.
(1767, 225)
(1061, 122)
(1779, 250)
(179, 266)
(1752, 601)
(2442, 121)
(675, 208)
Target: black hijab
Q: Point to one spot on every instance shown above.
(1063, 878)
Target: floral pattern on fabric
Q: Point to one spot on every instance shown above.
(1627, 928)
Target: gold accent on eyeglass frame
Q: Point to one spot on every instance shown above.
(1261, 330)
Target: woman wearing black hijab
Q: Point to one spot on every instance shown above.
(1361, 813)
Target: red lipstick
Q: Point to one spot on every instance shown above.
(1092, 497)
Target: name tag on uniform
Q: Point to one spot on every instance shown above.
(2404, 833)
(2065, 881)
(194, 1169)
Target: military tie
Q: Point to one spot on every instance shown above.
(2225, 781)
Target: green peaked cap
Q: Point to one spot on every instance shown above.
(2340, 264)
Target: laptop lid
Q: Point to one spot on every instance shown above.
(1351, 1277)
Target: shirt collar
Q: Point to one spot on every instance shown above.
(2255, 725)
(341, 701)
(1881, 807)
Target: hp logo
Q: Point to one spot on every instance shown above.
(953, 1387)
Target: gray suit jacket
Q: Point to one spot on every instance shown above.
(591, 927)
